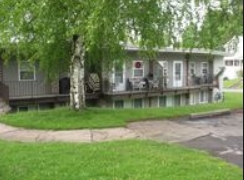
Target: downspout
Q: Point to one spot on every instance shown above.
(187, 57)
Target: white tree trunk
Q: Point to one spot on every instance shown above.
(77, 90)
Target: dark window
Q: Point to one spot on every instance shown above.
(119, 104)
(23, 109)
(26, 71)
(138, 103)
(177, 100)
(162, 101)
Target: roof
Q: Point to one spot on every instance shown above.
(181, 50)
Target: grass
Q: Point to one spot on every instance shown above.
(122, 160)
(230, 83)
(65, 119)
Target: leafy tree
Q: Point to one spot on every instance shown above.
(220, 24)
(70, 33)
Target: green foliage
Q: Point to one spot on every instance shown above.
(220, 24)
(124, 160)
(62, 119)
(41, 30)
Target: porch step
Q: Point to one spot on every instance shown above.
(4, 108)
(210, 114)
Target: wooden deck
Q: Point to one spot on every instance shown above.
(157, 92)
(49, 98)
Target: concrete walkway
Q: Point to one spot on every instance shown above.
(234, 90)
(165, 131)
(170, 132)
(85, 136)
(221, 136)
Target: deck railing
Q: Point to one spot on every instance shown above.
(33, 89)
(29, 88)
(159, 84)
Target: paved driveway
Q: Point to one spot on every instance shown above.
(220, 136)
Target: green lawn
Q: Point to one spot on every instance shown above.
(230, 83)
(64, 119)
(122, 160)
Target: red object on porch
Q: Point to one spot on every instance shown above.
(138, 64)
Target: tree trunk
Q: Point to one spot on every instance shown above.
(77, 90)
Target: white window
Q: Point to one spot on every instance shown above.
(138, 103)
(203, 97)
(229, 63)
(193, 98)
(119, 77)
(192, 68)
(205, 68)
(138, 69)
(26, 71)
(237, 63)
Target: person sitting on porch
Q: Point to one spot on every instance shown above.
(148, 78)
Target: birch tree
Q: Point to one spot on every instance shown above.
(67, 33)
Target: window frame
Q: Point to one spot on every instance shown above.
(123, 104)
(159, 101)
(205, 97)
(142, 103)
(194, 68)
(141, 68)
(207, 68)
(21, 70)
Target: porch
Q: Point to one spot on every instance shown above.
(144, 87)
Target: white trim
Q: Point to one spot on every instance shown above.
(142, 68)
(175, 84)
(120, 86)
(204, 68)
(190, 63)
(192, 97)
(34, 71)
(205, 98)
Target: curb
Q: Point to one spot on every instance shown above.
(210, 114)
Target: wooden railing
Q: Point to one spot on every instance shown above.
(4, 92)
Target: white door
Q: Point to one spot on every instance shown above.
(163, 73)
(119, 78)
(178, 74)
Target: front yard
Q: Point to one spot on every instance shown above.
(237, 83)
(122, 160)
(64, 119)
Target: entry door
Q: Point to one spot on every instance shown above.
(119, 78)
(178, 74)
(164, 73)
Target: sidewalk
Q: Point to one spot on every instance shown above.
(162, 130)
(86, 136)
(233, 90)
(167, 130)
